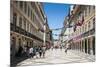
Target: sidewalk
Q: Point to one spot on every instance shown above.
(57, 56)
(16, 60)
(82, 54)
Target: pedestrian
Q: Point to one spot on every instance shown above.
(40, 52)
(60, 47)
(34, 51)
(37, 51)
(31, 52)
(66, 50)
(25, 51)
(20, 51)
(43, 51)
(52, 48)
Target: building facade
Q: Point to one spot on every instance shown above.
(83, 36)
(25, 20)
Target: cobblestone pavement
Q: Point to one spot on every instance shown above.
(56, 56)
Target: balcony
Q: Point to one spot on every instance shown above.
(90, 32)
(19, 30)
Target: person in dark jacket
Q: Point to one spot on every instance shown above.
(37, 51)
(20, 51)
(40, 52)
(34, 51)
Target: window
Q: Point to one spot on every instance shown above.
(25, 7)
(25, 24)
(21, 4)
(85, 28)
(80, 30)
(89, 9)
(33, 4)
(28, 27)
(76, 32)
(41, 12)
(14, 18)
(28, 11)
(94, 7)
(19, 42)
(16, 2)
(31, 29)
(33, 17)
(94, 23)
(89, 25)
(86, 12)
(31, 14)
(20, 22)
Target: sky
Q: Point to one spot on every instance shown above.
(56, 14)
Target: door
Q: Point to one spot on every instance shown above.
(88, 46)
(12, 47)
(85, 46)
(93, 43)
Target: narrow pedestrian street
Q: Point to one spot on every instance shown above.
(57, 56)
(65, 33)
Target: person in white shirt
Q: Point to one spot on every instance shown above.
(31, 52)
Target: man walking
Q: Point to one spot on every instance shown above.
(66, 50)
(40, 51)
(31, 52)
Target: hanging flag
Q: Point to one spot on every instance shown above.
(80, 22)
